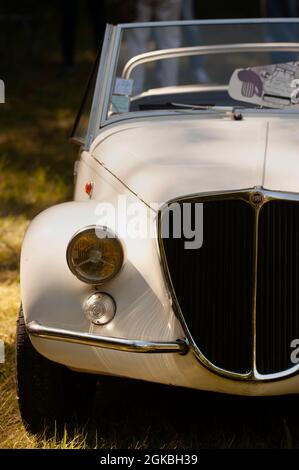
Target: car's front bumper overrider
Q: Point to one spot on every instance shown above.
(180, 346)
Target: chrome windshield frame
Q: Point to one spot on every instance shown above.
(104, 82)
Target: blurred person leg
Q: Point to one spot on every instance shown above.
(281, 8)
(192, 38)
(279, 31)
(68, 34)
(137, 41)
(168, 10)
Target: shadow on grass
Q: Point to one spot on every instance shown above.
(132, 414)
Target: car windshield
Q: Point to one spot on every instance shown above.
(160, 67)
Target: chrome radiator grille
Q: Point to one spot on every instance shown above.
(238, 294)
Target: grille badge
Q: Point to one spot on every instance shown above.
(256, 198)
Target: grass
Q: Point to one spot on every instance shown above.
(36, 171)
(36, 164)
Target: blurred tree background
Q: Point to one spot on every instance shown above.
(30, 29)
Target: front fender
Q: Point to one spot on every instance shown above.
(52, 295)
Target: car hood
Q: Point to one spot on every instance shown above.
(162, 159)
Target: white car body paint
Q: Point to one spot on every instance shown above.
(199, 156)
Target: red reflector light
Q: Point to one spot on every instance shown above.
(88, 188)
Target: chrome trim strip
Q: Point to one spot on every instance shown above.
(119, 344)
(237, 21)
(197, 88)
(205, 50)
(97, 100)
(254, 280)
(247, 196)
(110, 73)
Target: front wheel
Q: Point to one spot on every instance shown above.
(49, 394)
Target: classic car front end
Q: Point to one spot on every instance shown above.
(214, 304)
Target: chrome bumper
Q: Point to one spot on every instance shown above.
(119, 344)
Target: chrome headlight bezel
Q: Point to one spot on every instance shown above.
(93, 230)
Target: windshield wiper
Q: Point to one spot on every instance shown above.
(230, 111)
(227, 110)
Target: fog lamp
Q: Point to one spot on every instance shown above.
(99, 308)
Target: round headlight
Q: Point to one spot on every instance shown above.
(95, 255)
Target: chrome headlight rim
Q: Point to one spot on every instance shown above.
(93, 229)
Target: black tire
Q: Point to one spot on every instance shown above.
(49, 394)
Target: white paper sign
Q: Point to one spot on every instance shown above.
(123, 86)
(120, 104)
(272, 85)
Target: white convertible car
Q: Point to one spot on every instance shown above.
(178, 260)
